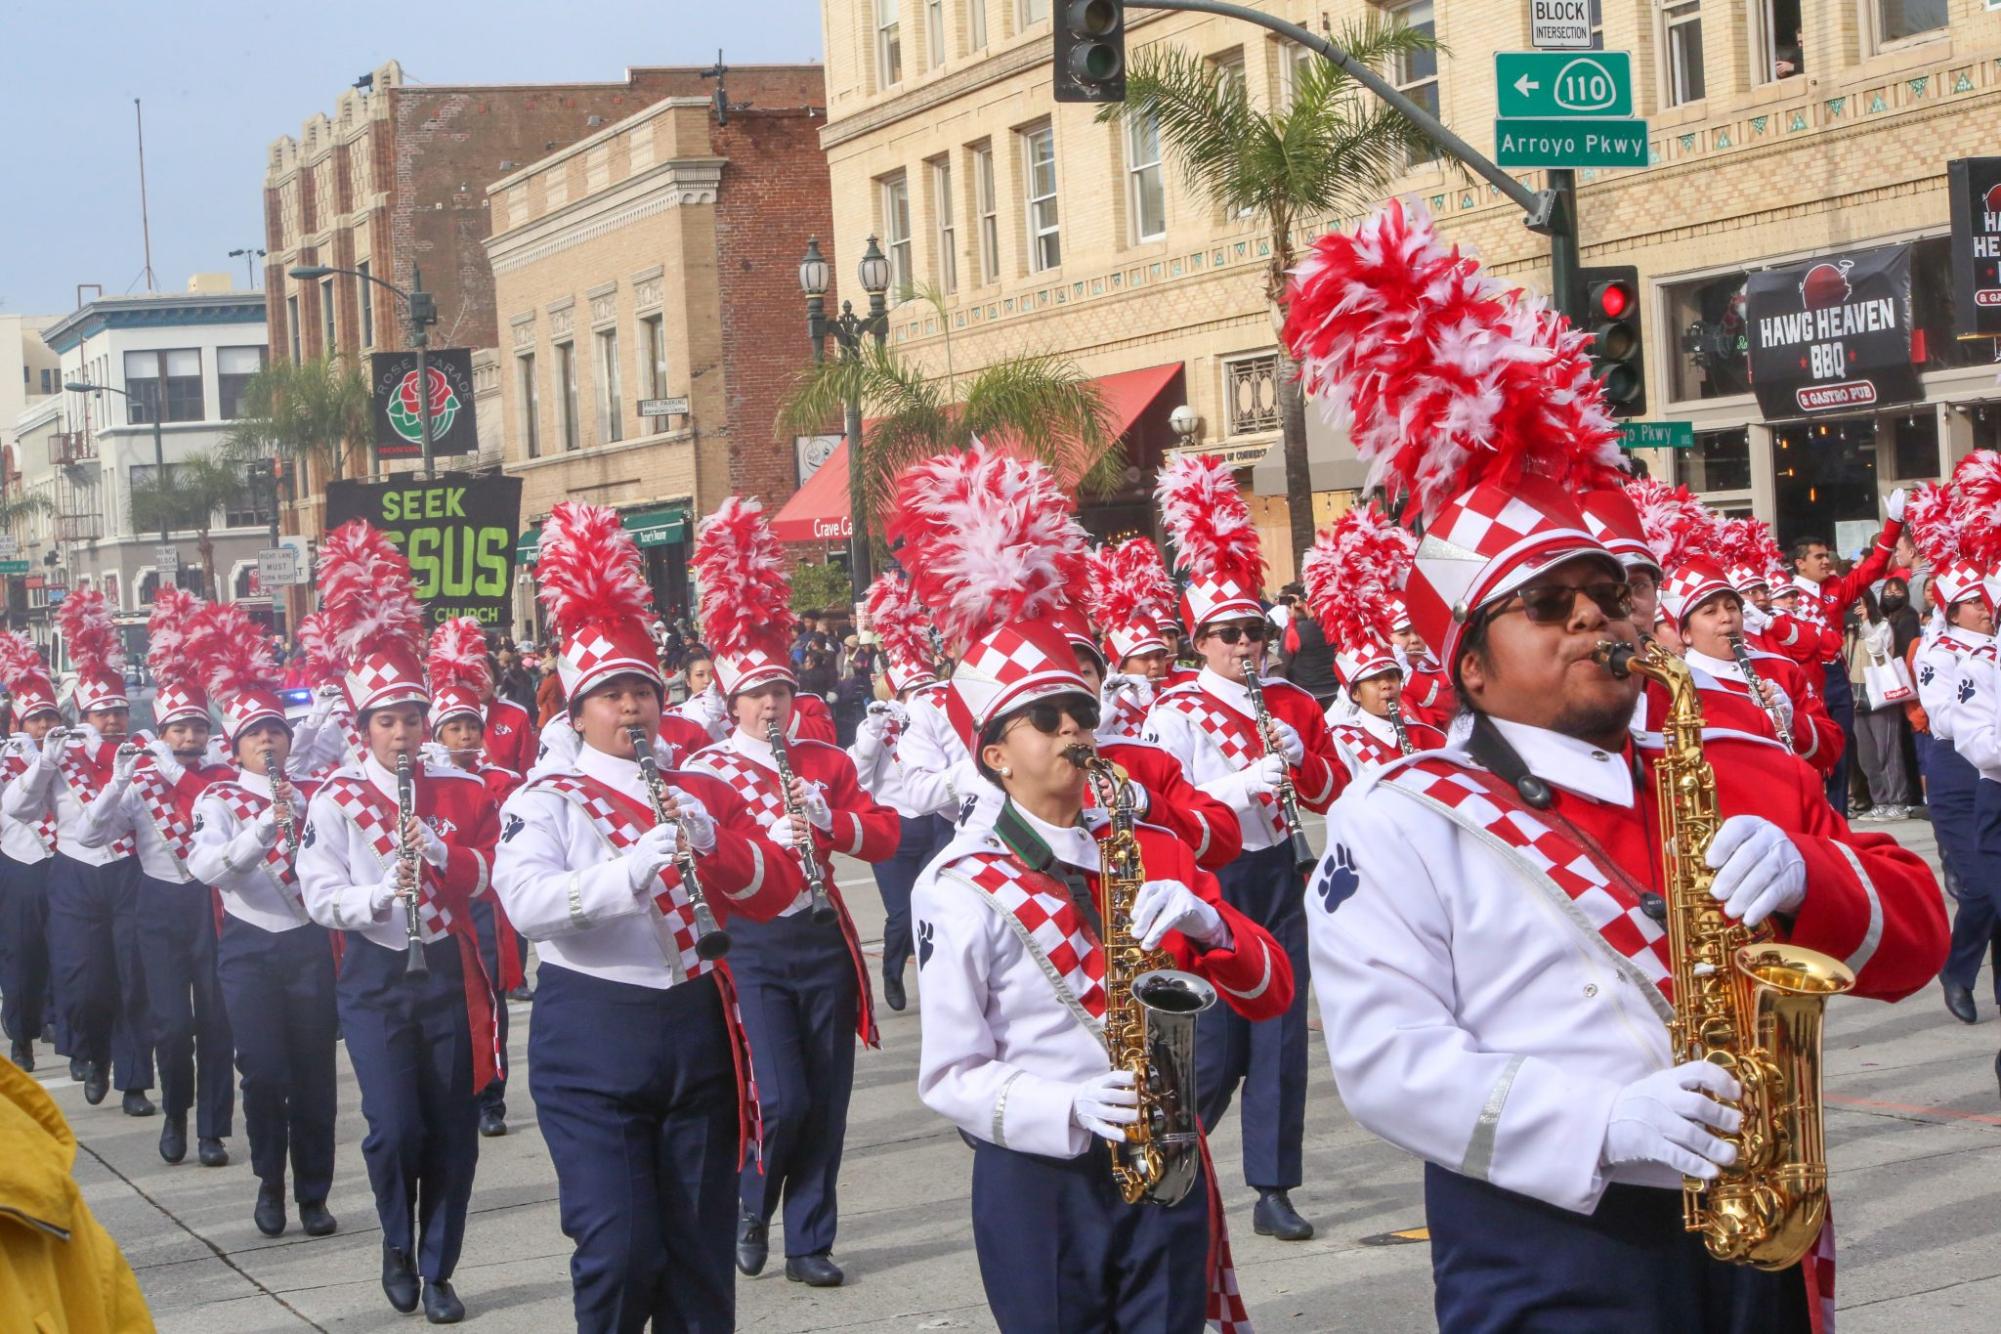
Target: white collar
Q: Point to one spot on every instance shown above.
(1723, 669)
(1379, 728)
(1573, 765)
(610, 770)
(752, 748)
(1072, 845)
(1969, 638)
(1233, 693)
(1806, 585)
(257, 783)
(384, 777)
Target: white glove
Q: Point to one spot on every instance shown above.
(1758, 870)
(1162, 906)
(430, 847)
(880, 717)
(434, 752)
(1106, 1104)
(1118, 683)
(711, 712)
(779, 830)
(1894, 506)
(1755, 620)
(813, 801)
(1262, 777)
(649, 856)
(701, 825)
(383, 896)
(323, 706)
(1289, 741)
(165, 761)
(53, 742)
(123, 767)
(1142, 799)
(265, 827)
(1667, 1116)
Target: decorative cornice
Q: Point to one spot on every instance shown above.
(668, 185)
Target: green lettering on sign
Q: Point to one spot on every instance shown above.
(1657, 435)
(1570, 143)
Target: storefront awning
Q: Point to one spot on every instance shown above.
(818, 511)
(1331, 461)
(649, 528)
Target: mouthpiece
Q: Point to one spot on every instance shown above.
(1616, 658)
(1080, 755)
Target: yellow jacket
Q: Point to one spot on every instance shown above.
(60, 1272)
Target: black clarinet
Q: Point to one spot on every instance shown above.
(711, 941)
(1395, 717)
(1288, 798)
(414, 963)
(822, 912)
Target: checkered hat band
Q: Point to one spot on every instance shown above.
(1124, 643)
(176, 703)
(1049, 921)
(1688, 589)
(1224, 601)
(455, 702)
(1360, 666)
(100, 693)
(1960, 583)
(382, 679)
(750, 670)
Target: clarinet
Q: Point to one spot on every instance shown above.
(822, 912)
(1779, 723)
(1288, 798)
(711, 941)
(414, 963)
(1396, 725)
(281, 809)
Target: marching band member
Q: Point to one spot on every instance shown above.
(1128, 594)
(1427, 688)
(149, 802)
(802, 981)
(461, 678)
(325, 738)
(1211, 725)
(416, 1006)
(1502, 987)
(93, 892)
(637, 1062)
(1012, 929)
(704, 705)
(507, 729)
(274, 964)
(27, 851)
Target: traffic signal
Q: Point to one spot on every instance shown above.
(1612, 317)
(1090, 51)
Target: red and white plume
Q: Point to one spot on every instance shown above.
(237, 655)
(1205, 517)
(746, 600)
(988, 538)
(1444, 376)
(1353, 577)
(170, 638)
(1935, 515)
(19, 659)
(593, 584)
(84, 621)
(315, 639)
(898, 619)
(1129, 584)
(366, 595)
(457, 656)
(1679, 527)
(1978, 480)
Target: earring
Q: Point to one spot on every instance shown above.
(1006, 772)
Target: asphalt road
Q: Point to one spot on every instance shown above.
(1914, 1121)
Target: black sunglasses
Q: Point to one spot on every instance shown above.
(1251, 630)
(1046, 715)
(1551, 604)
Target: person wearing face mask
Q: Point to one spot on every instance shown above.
(1012, 923)
(27, 851)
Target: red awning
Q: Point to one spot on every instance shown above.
(818, 511)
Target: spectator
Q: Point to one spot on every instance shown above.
(1879, 727)
(549, 701)
(1309, 659)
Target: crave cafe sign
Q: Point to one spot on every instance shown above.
(1832, 335)
(458, 531)
(1976, 246)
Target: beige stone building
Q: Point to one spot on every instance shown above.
(1780, 130)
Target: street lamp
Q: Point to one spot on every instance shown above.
(423, 311)
(159, 442)
(249, 255)
(847, 330)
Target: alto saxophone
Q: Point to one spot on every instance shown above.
(1150, 1013)
(1303, 857)
(1739, 651)
(1742, 1001)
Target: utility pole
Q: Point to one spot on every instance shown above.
(145, 222)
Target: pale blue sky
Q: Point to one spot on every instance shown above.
(222, 78)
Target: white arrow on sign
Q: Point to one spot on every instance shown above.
(1525, 85)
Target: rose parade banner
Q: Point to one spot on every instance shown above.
(458, 531)
(399, 421)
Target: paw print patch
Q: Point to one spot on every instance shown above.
(1965, 689)
(1925, 675)
(515, 824)
(1337, 881)
(309, 835)
(924, 944)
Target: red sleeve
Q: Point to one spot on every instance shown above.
(863, 827)
(815, 722)
(1817, 738)
(1208, 826)
(1840, 592)
(468, 846)
(1252, 976)
(1319, 778)
(746, 874)
(1794, 638)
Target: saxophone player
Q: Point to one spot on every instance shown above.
(1011, 929)
(1484, 934)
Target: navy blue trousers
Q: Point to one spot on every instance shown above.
(894, 878)
(190, 1024)
(1840, 699)
(412, 1054)
(100, 978)
(796, 986)
(1267, 1059)
(1953, 790)
(494, 1095)
(24, 948)
(1503, 1263)
(1061, 1252)
(635, 1090)
(278, 987)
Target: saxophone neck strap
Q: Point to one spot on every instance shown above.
(1493, 753)
(1034, 852)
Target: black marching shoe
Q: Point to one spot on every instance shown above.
(79, 1069)
(212, 1152)
(24, 1054)
(315, 1219)
(441, 1305)
(96, 1083)
(892, 990)
(1275, 1217)
(138, 1104)
(492, 1122)
(753, 1245)
(173, 1139)
(815, 1271)
(1959, 1000)
(269, 1215)
(399, 1278)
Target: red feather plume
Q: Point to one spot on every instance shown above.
(457, 656)
(315, 639)
(746, 600)
(898, 619)
(1128, 583)
(19, 659)
(236, 652)
(1978, 480)
(1353, 574)
(84, 621)
(590, 570)
(365, 594)
(1935, 516)
(1678, 527)
(169, 638)
(1205, 517)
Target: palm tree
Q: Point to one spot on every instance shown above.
(190, 496)
(312, 414)
(1039, 404)
(1333, 149)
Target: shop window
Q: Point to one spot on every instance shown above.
(1706, 318)
(1987, 426)
(1914, 444)
(1250, 390)
(1720, 461)
(1931, 309)
(1824, 476)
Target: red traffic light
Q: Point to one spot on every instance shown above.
(1614, 300)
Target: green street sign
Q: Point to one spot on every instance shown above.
(1570, 143)
(1657, 435)
(1564, 83)
(13, 567)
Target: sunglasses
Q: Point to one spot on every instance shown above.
(1552, 604)
(1046, 715)
(1252, 630)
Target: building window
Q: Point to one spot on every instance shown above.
(1146, 194)
(1033, 11)
(566, 385)
(326, 316)
(1250, 394)
(888, 44)
(48, 379)
(531, 404)
(1293, 64)
(1416, 74)
(934, 30)
(987, 207)
(233, 368)
(1705, 317)
(1898, 19)
(1683, 20)
(1038, 157)
(653, 347)
(944, 209)
(1597, 25)
(250, 507)
(976, 24)
(1914, 444)
(1720, 461)
(896, 232)
(292, 326)
(364, 301)
(611, 407)
(172, 377)
(1229, 67)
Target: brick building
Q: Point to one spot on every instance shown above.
(1780, 130)
(655, 262)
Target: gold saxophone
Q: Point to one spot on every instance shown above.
(1150, 1013)
(1743, 1001)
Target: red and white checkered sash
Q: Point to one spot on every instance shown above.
(1125, 716)
(176, 830)
(247, 806)
(85, 781)
(1227, 1313)
(1986, 653)
(1371, 749)
(1046, 922)
(45, 823)
(375, 816)
(1234, 736)
(1479, 801)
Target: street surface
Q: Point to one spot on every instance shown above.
(1913, 1115)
